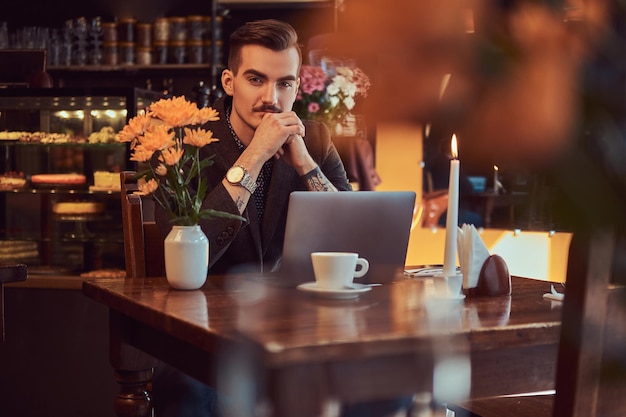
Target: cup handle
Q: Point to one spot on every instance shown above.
(365, 266)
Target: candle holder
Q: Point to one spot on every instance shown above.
(449, 287)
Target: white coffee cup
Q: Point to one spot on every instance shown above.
(337, 270)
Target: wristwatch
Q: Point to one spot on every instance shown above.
(237, 175)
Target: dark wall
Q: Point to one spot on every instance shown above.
(55, 360)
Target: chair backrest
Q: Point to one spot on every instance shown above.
(143, 244)
(430, 209)
(591, 368)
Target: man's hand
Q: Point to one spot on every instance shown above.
(296, 154)
(281, 135)
(273, 132)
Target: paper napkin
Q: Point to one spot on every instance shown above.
(472, 254)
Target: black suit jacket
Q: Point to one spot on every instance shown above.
(254, 246)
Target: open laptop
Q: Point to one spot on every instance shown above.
(374, 224)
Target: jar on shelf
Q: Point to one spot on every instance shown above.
(178, 29)
(160, 50)
(144, 35)
(195, 28)
(161, 30)
(195, 52)
(126, 53)
(110, 53)
(208, 27)
(143, 55)
(109, 32)
(126, 29)
(207, 51)
(177, 52)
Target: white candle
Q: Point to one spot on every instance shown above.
(449, 255)
(495, 179)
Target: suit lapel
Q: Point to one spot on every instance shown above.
(284, 179)
(281, 184)
(227, 154)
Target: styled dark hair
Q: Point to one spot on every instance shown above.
(270, 33)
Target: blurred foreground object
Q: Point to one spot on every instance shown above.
(517, 93)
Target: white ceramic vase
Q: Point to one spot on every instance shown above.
(186, 257)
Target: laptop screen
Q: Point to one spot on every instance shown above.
(374, 224)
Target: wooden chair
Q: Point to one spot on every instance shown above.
(591, 367)
(430, 209)
(143, 251)
(143, 244)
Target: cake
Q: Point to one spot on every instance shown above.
(18, 250)
(16, 135)
(103, 180)
(77, 207)
(104, 273)
(58, 179)
(40, 137)
(12, 180)
(104, 135)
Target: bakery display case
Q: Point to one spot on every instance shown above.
(59, 177)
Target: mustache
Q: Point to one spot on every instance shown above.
(267, 108)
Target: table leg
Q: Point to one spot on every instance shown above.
(133, 399)
(133, 369)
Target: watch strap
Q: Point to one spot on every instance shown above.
(248, 183)
(246, 180)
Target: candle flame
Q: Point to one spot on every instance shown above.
(495, 168)
(453, 147)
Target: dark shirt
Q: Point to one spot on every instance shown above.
(255, 245)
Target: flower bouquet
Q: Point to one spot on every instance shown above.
(168, 137)
(329, 99)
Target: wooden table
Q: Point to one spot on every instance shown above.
(9, 273)
(302, 351)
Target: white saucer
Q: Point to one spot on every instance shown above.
(311, 287)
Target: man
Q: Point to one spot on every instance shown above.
(264, 153)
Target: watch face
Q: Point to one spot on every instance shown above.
(235, 174)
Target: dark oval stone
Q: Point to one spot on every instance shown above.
(494, 278)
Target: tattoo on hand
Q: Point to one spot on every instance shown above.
(239, 203)
(317, 181)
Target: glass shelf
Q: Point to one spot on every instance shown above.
(28, 190)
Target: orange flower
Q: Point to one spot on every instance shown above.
(175, 112)
(161, 170)
(141, 154)
(198, 137)
(158, 138)
(172, 155)
(204, 115)
(135, 127)
(148, 187)
(169, 134)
